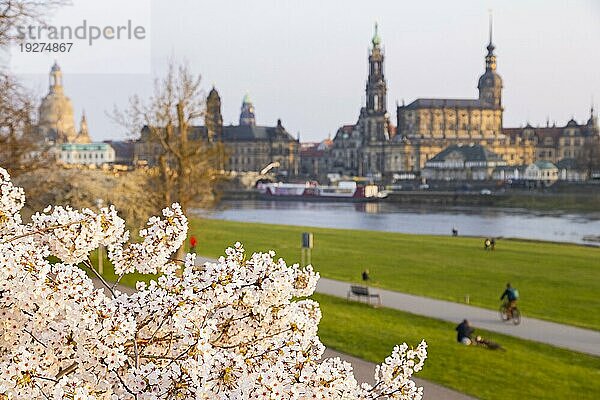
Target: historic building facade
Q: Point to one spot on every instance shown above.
(247, 147)
(425, 127)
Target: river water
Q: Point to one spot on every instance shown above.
(470, 221)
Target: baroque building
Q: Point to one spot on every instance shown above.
(248, 147)
(56, 122)
(373, 147)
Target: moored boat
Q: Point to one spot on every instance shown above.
(311, 191)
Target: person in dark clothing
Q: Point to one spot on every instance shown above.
(464, 331)
(512, 295)
(454, 231)
(365, 275)
(493, 244)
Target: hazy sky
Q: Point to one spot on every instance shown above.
(305, 61)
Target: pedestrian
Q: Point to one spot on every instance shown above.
(493, 243)
(365, 275)
(487, 243)
(193, 243)
(454, 231)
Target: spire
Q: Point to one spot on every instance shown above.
(490, 46)
(376, 40)
(84, 135)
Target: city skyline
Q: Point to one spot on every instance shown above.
(322, 86)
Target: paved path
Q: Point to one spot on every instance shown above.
(565, 336)
(559, 335)
(364, 372)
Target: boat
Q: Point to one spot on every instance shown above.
(312, 191)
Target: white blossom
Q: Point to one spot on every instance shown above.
(242, 327)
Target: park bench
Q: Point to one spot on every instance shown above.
(363, 291)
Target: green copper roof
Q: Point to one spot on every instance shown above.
(246, 99)
(376, 39)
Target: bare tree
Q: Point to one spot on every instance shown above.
(588, 160)
(187, 162)
(22, 13)
(22, 149)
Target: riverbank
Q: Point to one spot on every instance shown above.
(533, 200)
(557, 282)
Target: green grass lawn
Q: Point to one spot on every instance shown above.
(558, 282)
(526, 370)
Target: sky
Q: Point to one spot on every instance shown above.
(305, 61)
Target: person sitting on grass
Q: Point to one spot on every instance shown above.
(365, 275)
(465, 330)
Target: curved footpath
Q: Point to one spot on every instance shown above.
(559, 335)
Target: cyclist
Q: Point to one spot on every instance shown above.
(512, 295)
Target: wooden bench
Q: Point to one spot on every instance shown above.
(363, 291)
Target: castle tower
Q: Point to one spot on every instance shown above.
(376, 86)
(56, 121)
(490, 83)
(247, 114)
(214, 118)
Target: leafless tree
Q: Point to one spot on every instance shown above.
(588, 160)
(23, 13)
(187, 170)
(21, 148)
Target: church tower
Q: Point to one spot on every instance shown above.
(247, 114)
(84, 134)
(214, 118)
(490, 83)
(376, 86)
(374, 114)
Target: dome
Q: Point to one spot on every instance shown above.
(490, 79)
(56, 120)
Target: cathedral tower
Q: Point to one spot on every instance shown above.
(376, 86)
(490, 83)
(214, 118)
(247, 114)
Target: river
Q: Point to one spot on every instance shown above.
(469, 221)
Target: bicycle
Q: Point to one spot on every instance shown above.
(515, 314)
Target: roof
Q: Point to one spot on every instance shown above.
(239, 133)
(543, 164)
(567, 163)
(443, 103)
(470, 153)
(123, 149)
(84, 146)
(236, 133)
